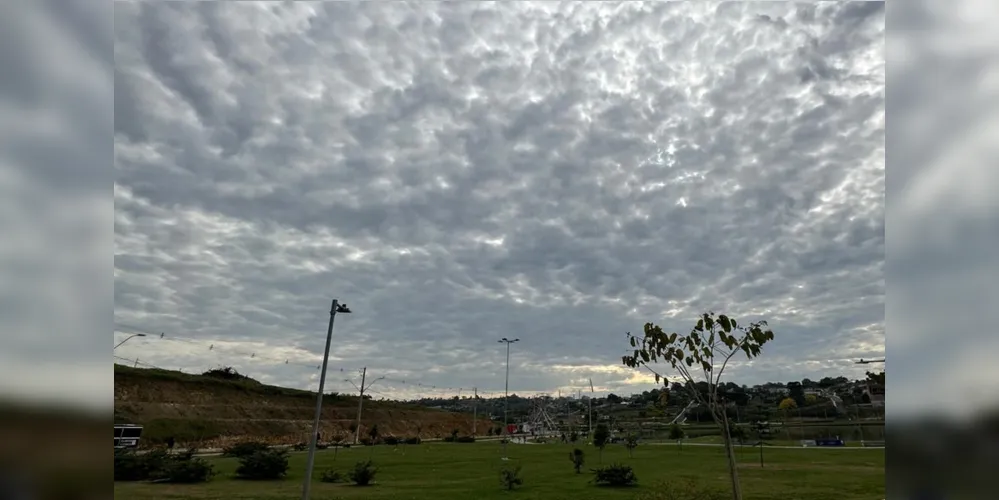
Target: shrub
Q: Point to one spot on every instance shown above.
(244, 449)
(264, 464)
(130, 466)
(465, 439)
(225, 373)
(573, 437)
(615, 475)
(686, 490)
(185, 469)
(412, 440)
(363, 473)
(331, 476)
(510, 478)
(159, 466)
(578, 459)
(300, 446)
(391, 440)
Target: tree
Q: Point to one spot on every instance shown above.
(578, 459)
(876, 378)
(614, 399)
(676, 434)
(373, 434)
(631, 442)
(600, 438)
(709, 347)
(811, 399)
(797, 392)
(337, 440)
(787, 404)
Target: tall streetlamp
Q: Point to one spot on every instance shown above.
(128, 338)
(506, 392)
(336, 307)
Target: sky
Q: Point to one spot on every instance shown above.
(458, 173)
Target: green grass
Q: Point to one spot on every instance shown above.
(442, 471)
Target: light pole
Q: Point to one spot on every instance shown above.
(128, 338)
(336, 307)
(506, 392)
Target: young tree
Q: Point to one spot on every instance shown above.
(631, 442)
(578, 459)
(337, 440)
(600, 438)
(708, 348)
(676, 434)
(373, 434)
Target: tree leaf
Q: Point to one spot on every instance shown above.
(725, 323)
(700, 326)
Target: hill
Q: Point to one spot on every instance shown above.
(210, 412)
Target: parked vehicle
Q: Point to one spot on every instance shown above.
(127, 435)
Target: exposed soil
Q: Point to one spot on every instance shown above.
(207, 412)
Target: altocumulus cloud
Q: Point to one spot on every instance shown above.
(461, 172)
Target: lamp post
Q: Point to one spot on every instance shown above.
(128, 338)
(335, 308)
(506, 392)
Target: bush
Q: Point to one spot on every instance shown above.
(300, 446)
(331, 476)
(225, 373)
(244, 449)
(186, 469)
(510, 478)
(363, 473)
(465, 439)
(159, 466)
(392, 440)
(615, 475)
(687, 490)
(130, 466)
(412, 440)
(264, 464)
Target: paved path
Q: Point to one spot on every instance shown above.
(779, 447)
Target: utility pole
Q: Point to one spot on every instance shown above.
(360, 406)
(590, 408)
(336, 307)
(475, 408)
(506, 394)
(360, 401)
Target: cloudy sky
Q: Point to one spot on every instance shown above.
(463, 172)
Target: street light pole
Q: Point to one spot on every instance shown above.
(506, 393)
(334, 308)
(130, 337)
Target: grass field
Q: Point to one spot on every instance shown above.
(442, 471)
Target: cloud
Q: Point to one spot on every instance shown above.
(942, 212)
(457, 173)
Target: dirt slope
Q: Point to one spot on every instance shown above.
(209, 413)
